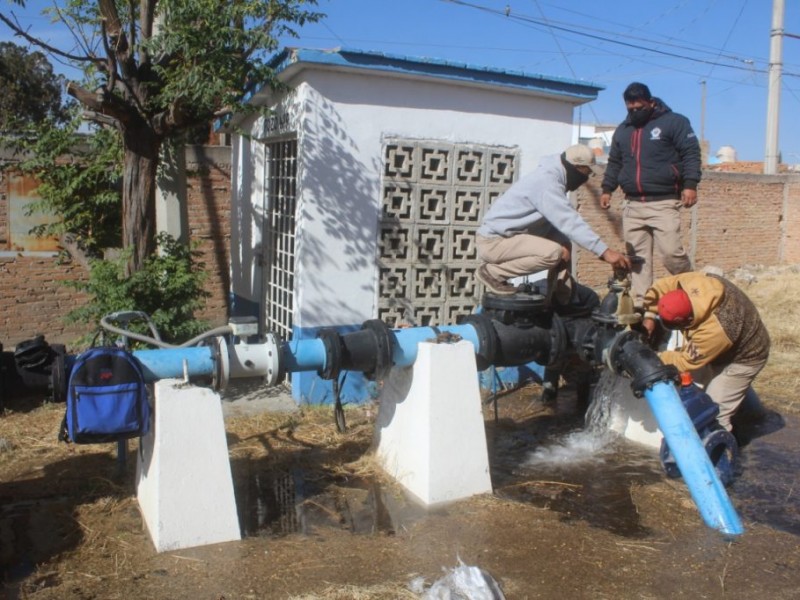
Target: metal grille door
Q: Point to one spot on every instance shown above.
(279, 236)
(434, 198)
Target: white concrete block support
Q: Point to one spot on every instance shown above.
(183, 473)
(430, 433)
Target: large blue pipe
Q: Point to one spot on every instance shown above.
(309, 354)
(297, 355)
(696, 468)
(167, 363)
(408, 340)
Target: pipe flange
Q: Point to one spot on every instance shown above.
(558, 341)
(723, 451)
(487, 339)
(383, 346)
(614, 348)
(275, 370)
(222, 364)
(668, 374)
(332, 342)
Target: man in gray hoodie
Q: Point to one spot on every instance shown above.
(529, 228)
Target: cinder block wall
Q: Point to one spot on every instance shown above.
(740, 219)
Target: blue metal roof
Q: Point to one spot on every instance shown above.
(440, 69)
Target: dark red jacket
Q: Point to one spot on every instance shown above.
(654, 162)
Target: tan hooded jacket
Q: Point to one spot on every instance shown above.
(726, 327)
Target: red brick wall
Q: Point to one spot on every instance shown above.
(740, 219)
(209, 208)
(34, 300)
(791, 223)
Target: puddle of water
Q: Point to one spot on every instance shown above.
(30, 532)
(274, 504)
(584, 472)
(584, 475)
(768, 488)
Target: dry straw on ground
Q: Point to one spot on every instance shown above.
(101, 515)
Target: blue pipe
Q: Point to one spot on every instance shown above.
(297, 355)
(309, 354)
(303, 355)
(167, 363)
(407, 340)
(698, 472)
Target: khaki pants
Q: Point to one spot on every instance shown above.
(525, 254)
(728, 386)
(653, 224)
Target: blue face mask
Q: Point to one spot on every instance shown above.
(640, 116)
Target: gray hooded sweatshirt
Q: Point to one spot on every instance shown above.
(535, 203)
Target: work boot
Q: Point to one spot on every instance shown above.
(495, 286)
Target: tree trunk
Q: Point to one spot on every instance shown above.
(139, 194)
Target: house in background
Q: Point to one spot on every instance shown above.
(595, 135)
(356, 195)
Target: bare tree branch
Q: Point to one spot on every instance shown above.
(102, 102)
(71, 245)
(97, 117)
(51, 49)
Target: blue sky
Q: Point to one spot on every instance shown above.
(672, 45)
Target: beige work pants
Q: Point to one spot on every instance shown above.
(728, 387)
(647, 225)
(525, 254)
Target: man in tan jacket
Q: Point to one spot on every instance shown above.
(722, 330)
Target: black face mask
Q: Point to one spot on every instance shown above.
(575, 178)
(640, 116)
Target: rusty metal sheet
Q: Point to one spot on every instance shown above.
(21, 194)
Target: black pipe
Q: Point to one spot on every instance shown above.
(629, 355)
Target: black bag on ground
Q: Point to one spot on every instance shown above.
(106, 398)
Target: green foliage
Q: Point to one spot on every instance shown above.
(169, 288)
(79, 179)
(185, 62)
(157, 70)
(31, 91)
(217, 49)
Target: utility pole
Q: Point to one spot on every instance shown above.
(774, 95)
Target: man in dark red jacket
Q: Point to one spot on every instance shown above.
(655, 159)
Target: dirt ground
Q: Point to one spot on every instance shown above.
(70, 526)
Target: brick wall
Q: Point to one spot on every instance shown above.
(33, 298)
(209, 208)
(740, 218)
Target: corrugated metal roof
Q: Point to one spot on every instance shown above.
(436, 68)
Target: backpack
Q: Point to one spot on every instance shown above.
(106, 398)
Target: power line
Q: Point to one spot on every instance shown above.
(730, 32)
(566, 60)
(531, 21)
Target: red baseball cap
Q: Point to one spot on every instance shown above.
(675, 308)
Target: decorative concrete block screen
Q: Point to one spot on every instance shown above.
(434, 196)
(279, 231)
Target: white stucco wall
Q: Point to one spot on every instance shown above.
(343, 119)
(247, 186)
(347, 117)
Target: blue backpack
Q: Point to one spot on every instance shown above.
(106, 398)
